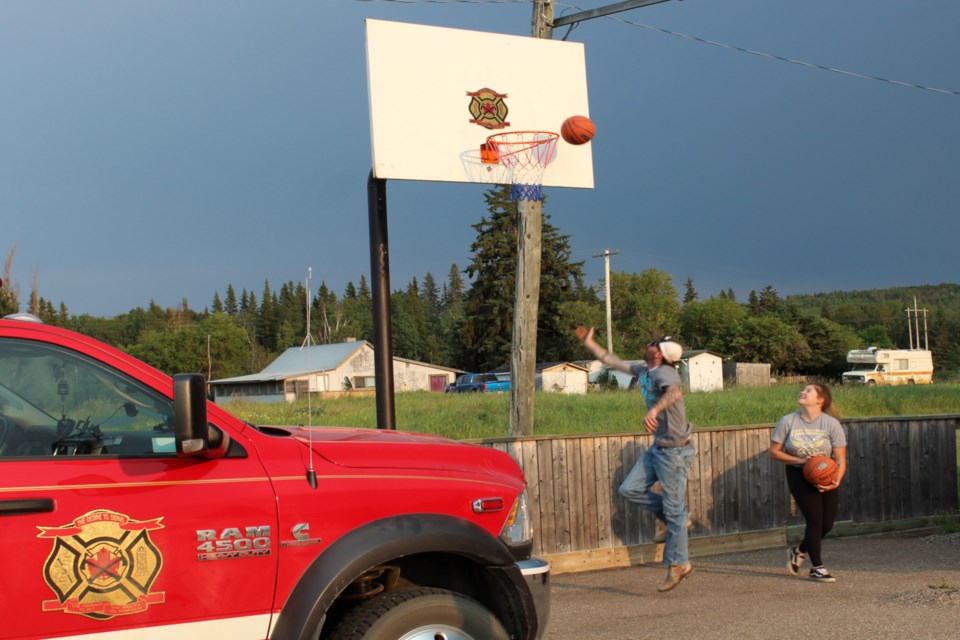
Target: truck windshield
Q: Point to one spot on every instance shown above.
(864, 367)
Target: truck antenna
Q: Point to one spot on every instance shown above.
(311, 473)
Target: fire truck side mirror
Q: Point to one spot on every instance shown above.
(194, 436)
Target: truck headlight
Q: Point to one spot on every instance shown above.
(517, 531)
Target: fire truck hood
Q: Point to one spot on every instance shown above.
(384, 449)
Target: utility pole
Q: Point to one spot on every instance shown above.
(606, 280)
(523, 351)
(542, 19)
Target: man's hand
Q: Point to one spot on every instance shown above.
(650, 420)
(584, 333)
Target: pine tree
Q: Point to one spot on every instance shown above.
(230, 304)
(267, 319)
(451, 317)
(487, 328)
(753, 303)
(690, 294)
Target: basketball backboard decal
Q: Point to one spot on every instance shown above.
(489, 109)
(465, 86)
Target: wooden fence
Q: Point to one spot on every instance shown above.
(899, 468)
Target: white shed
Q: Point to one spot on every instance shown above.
(702, 370)
(562, 377)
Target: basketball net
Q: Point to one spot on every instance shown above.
(525, 155)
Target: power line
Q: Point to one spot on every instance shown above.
(772, 56)
(762, 54)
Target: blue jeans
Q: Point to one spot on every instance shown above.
(670, 467)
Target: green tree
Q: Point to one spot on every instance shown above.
(753, 303)
(689, 293)
(487, 329)
(715, 324)
(875, 336)
(767, 338)
(643, 306)
(451, 316)
(187, 350)
(829, 342)
(404, 323)
(770, 301)
(357, 312)
(326, 318)
(266, 320)
(9, 296)
(431, 339)
(230, 303)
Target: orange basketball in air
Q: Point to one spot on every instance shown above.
(578, 129)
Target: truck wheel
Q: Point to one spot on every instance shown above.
(870, 383)
(420, 614)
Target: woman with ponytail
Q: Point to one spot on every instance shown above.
(813, 430)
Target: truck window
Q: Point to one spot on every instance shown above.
(56, 402)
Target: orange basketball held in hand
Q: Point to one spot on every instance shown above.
(820, 470)
(581, 333)
(578, 129)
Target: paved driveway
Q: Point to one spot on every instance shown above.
(897, 586)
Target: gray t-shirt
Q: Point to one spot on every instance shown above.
(672, 427)
(806, 439)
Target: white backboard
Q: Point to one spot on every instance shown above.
(437, 93)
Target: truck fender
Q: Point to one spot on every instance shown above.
(377, 542)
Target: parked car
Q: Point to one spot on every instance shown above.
(476, 382)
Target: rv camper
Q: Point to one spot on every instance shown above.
(889, 366)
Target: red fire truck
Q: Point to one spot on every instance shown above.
(131, 507)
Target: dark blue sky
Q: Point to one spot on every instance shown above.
(162, 150)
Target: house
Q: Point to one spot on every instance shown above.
(327, 369)
(702, 370)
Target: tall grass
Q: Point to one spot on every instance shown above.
(486, 415)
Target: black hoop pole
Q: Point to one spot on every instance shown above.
(380, 283)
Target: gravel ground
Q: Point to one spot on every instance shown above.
(888, 586)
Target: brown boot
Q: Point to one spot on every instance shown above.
(660, 532)
(675, 573)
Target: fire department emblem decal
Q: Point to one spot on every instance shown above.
(102, 565)
(488, 109)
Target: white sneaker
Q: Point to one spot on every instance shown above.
(795, 560)
(820, 574)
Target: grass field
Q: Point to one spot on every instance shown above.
(475, 416)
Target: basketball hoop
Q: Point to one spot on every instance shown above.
(525, 154)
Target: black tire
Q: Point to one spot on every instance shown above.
(420, 614)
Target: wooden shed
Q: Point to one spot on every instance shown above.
(746, 374)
